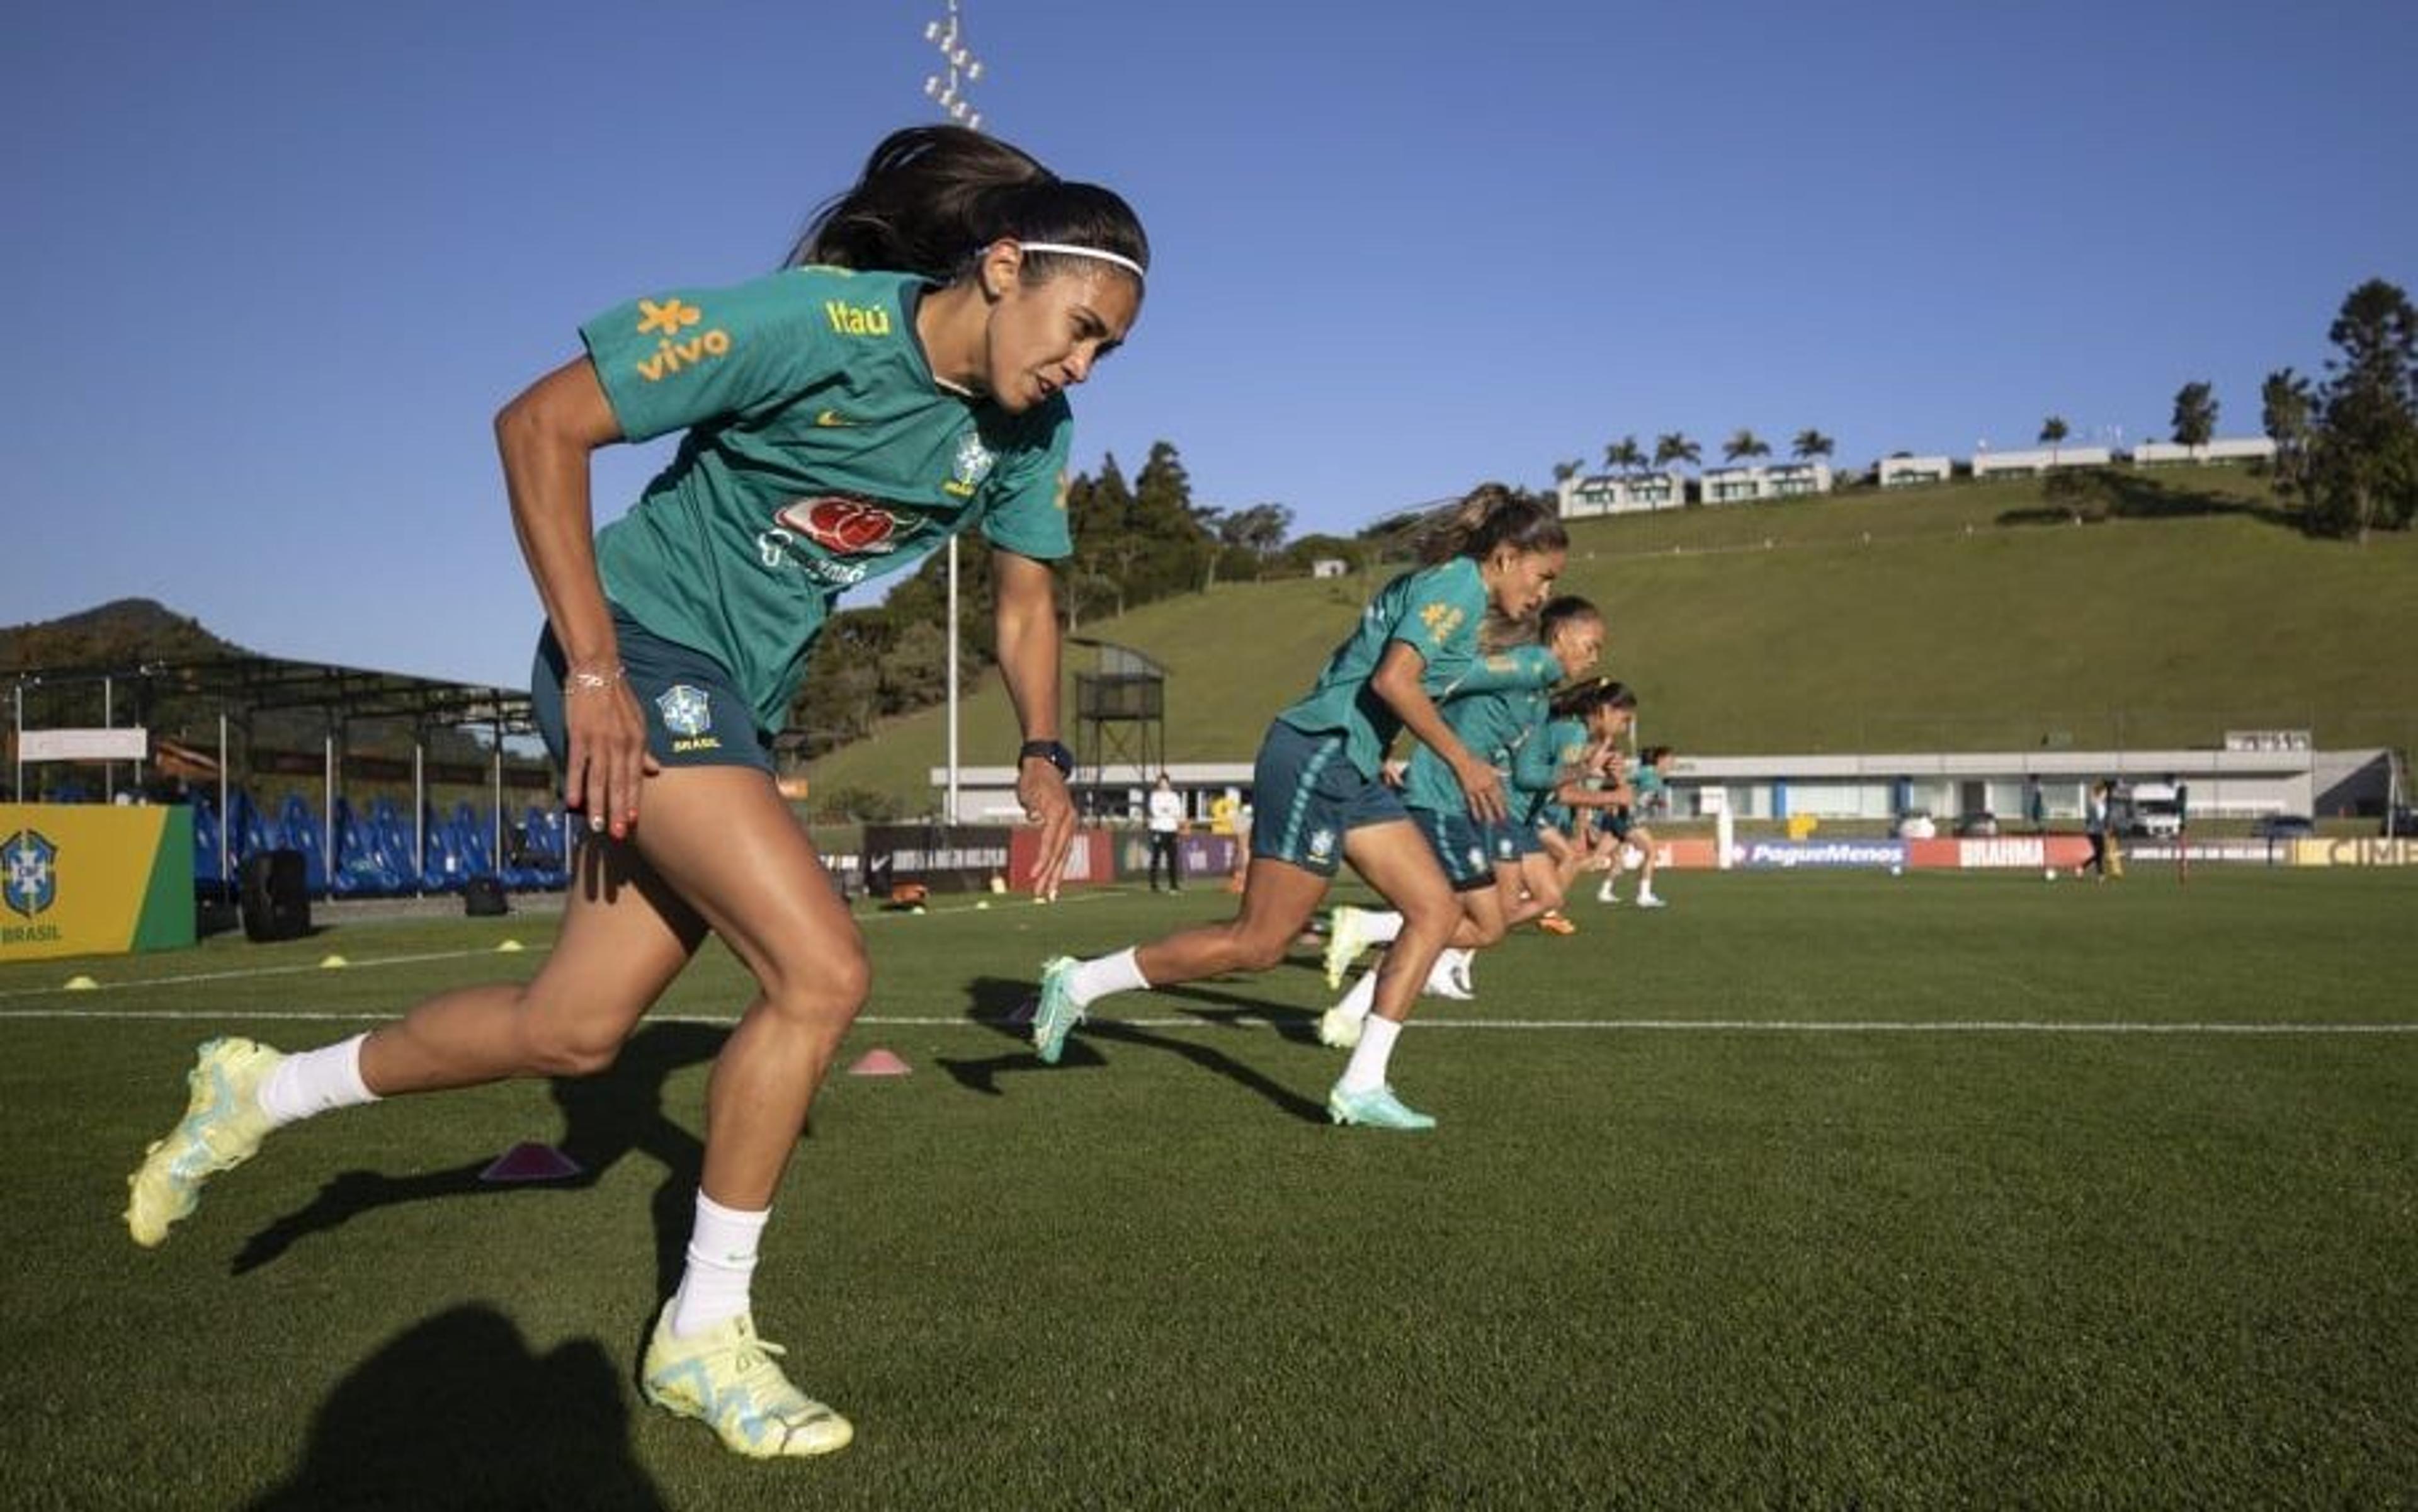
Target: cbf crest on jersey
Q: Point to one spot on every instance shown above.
(686, 711)
(30, 883)
(973, 465)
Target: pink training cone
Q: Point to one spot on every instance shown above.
(878, 1063)
(531, 1162)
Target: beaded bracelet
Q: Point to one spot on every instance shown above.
(586, 680)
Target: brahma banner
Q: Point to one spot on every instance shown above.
(94, 880)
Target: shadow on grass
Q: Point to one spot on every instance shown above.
(460, 1412)
(2091, 494)
(605, 1117)
(1005, 1005)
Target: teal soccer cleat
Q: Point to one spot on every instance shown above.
(1376, 1109)
(1056, 1015)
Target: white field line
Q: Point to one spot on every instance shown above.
(1655, 1026)
(367, 962)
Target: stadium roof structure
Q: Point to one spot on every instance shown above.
(263, 684)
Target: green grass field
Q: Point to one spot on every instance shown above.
(1841, 1190)
(1927, 620)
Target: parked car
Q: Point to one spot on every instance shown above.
(2285, 827)
(1982, 826)
(1916, 825)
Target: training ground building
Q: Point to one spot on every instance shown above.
(2253, 774)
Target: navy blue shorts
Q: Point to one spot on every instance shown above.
(1513, 840)
(695, 716)
(1307, 795)
(1463, 848)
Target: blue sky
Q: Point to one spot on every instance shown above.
(273, 267)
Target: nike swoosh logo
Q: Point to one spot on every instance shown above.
(832, 420)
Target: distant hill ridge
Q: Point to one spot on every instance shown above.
(121, 633)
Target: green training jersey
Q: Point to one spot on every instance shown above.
(1436, 612)
(1548, 760)
(819, 452)
(1494, 725)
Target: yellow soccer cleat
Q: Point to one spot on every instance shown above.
(724, 1378)
(221, 1128)
(1344, 942)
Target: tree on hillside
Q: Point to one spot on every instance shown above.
(2288, 407)
(2053, 434)
(2364, 459)
(1565, 472)
(2195, 420)
(1672, 446)
(1812, 443)
(1624, 456)
(1744, 443)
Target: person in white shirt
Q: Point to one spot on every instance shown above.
(1166, 818)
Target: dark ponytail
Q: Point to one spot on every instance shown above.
(1581, 702)
(1501, 632)
(1492, 516)
(932, 197)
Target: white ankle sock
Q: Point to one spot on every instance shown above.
(1366, 1069)
(1094, 979)
(720, 1263)
(1379, 927)
(315, 1081)
(1361, 996)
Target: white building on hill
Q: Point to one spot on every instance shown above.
(1911, 472)
(2240, 449)
(1997, 464)
(1781, 479)
(1621, 493)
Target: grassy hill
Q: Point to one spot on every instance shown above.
(1972, 616)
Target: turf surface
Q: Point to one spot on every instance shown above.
(1732, 1204)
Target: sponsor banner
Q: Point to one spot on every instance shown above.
(94, 878)
(1090, 863)
(2019, 852)
(944, 858)
(2373, 850)
(1797, 855)
(125, 744)
(2253, 852)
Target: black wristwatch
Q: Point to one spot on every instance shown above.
(1053, 752)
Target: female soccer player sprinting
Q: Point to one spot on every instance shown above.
(902, 380)
(1496, 710)
(1319, 799)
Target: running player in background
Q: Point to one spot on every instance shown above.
(1322, 800)
(1502, 704)
(1635, 845)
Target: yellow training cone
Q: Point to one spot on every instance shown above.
(82, 984)
(333, 963)
(508, 946)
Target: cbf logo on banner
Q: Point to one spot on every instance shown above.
(31, 884)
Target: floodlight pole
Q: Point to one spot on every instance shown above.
(961, 67)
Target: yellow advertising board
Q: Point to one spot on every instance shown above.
(2373, 851)
(94, 878)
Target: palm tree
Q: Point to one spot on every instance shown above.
(1745, 443)
(2053, 431)
(1565, 472)
(1624, 455)
(1674, 446)
(1811, 444)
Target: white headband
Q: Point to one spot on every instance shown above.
(1063, 250)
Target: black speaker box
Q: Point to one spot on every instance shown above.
(274, 899)
(482, 897)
